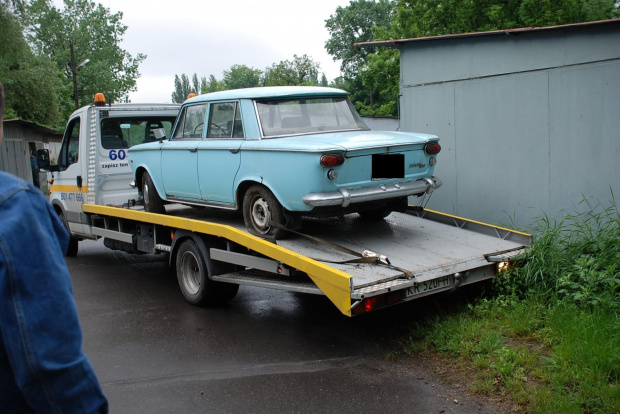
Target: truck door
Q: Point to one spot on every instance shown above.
(69, 187)
(218, 155)
(179, 155)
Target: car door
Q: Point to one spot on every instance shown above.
(219, 154)
(179, 155)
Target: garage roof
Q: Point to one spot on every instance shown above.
(397, 43)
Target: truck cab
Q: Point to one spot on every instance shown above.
(92, 165)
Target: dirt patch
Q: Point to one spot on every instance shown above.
(458, 379)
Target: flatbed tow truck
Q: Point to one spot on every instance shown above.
(359, 265)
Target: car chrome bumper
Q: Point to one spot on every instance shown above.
(345, 197)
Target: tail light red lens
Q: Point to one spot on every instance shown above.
(432, 148)
(332, 160)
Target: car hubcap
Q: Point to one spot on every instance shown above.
(191, 273)
(145, 192)
(260, 213)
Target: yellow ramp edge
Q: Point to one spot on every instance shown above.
(334, 283)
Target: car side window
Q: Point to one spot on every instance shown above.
(225, 121)
(70, 146)
(191, 122)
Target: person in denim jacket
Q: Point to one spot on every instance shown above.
(43, 368)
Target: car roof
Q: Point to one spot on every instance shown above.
(268, 92)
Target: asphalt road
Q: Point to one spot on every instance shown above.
(267, 351)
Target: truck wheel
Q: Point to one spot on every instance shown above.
(152, 202)
(260, 207)
(72, 249)
(192, 274)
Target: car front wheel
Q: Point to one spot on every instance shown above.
(260, 209)
(152, 202)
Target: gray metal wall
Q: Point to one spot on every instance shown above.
(529, 124)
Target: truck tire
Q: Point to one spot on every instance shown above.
(152, 201)
(192, 274)
(260, 207)
(72, 249)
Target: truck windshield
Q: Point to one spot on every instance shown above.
(307, 116)
(118, 133)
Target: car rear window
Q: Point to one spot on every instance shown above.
(307, 115)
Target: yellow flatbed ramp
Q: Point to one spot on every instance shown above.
(359, 265)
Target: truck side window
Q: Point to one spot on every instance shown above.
(191, 122)
(225, 121)
(70, 145)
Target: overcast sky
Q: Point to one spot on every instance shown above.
(209, 36)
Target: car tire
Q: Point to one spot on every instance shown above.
(260, 207)
(72, 249)
(152, 201)
(193, 277)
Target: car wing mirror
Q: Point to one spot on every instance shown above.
(159, 133)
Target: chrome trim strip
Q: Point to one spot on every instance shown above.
(225, 206)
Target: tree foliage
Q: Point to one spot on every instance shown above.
(84, 30)
(182, 88)
(302, 70)
(437, 17)
(241, 76)
(355, 24)
(27, 78)
(372, 75)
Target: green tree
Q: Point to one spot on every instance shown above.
(241, 76)
(302, 70)
(348, 26)
(416, 18)
(85, 31)
(323, 81)
(376, 87)
(212, 85)
(182, 88)
(32, 83)
(353, 24)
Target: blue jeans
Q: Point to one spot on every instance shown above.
(43, 367)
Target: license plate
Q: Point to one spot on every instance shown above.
(428, 286)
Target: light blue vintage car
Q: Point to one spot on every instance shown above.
(279, 153)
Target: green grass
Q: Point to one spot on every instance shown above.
(549, 334)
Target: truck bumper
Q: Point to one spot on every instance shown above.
(344, 197)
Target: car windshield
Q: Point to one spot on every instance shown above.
(307, 115)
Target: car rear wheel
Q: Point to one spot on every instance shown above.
(152, 202)
(260, 207)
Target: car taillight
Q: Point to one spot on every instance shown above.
(432, 148)
(332, 160)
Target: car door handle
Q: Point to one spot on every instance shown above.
(234, 150)
(193, 149)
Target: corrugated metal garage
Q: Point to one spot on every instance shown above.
(19, 138)
(529, 119)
